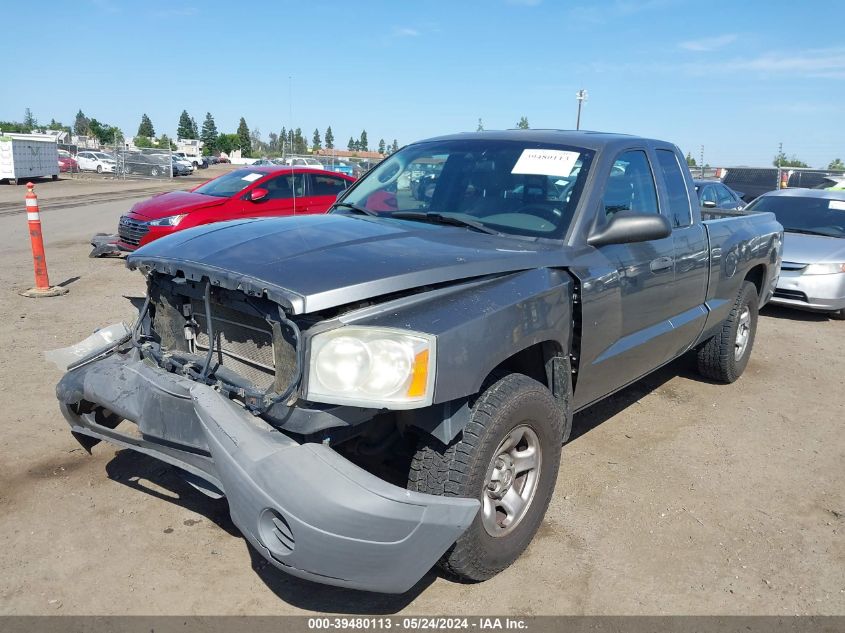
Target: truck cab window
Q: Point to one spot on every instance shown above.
(631, 185)
(679, 207)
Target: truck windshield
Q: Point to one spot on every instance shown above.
(228, 185)
(815, 216)
(516, 187)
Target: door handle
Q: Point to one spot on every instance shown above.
(660, 264)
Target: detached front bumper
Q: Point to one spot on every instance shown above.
(309, 511)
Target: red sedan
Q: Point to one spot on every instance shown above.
(244, 193)
(67, 162)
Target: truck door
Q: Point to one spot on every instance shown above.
(635, 332)
(689, 287)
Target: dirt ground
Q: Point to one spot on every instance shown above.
(675, 496)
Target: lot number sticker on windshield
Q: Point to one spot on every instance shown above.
(836, 205)
(546, 162)
(252, 177)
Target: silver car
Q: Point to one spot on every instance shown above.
(812, 275)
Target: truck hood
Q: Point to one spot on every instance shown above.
(312, 263)
(810, 249)
(173, 203)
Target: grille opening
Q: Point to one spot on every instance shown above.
(132, 231)
(795, 295)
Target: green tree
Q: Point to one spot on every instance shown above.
(480, 127)
(106, 134)
(29, 119)
(164, 142)
(273, 142)
(523, 123)
(142, 141)
(690, 160)
(185, 127)
(195, 133)
(381, 147)
(209, 134)
(284, 147)
(146, 129)
(243, 138)
(316, 142)
(352, 145)
(363, 145)
(300, 145)
(329, 138)
(836, 164)
(394, 147)
(81, 124)
(228, 143)
(781, 160)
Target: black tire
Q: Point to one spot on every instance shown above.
(838, 315)
(99, 169)
(462, 470)
(717, 357)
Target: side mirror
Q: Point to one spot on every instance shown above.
(627, 227)
(259, 193)
(708, 204)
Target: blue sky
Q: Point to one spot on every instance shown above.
(737, 77)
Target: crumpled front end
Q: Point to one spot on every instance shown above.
(308, 510)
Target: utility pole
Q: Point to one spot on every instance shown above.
(581, 97)
(701, 161)
(780, 153)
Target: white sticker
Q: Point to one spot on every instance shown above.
(837, 205)
(252, 177)
(546, 162)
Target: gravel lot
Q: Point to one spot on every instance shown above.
(676, 496)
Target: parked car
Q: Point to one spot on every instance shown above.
(755, 181)
(712, 194)
(812, 275)
(196, 162)
(96, 161)
(67, 163)
(238, 194)
(223, 159)
(289, 363)
(212, 159)
(302, 161)
(265, 162)
(181, 167)
(143, 164)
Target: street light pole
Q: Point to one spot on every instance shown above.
(580, 96)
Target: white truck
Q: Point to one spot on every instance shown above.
(27, 156)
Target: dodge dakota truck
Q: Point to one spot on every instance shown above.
(389, 386)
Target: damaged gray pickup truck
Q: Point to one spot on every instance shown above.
(389, 385)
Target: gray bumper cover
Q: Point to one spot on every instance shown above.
(309, 511)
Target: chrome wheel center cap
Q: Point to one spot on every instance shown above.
(503, 476)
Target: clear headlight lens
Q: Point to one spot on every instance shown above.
(372, 367)
(171, 220)
(824, 269)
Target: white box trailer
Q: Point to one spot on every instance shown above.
(26, 156)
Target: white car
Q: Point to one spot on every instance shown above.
(95, 161)
(299, 161)
(182, 160)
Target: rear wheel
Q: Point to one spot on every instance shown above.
(839, 315)
(725, 355)
(99, 169)
(507, 457)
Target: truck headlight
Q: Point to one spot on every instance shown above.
(171, 220)
(372, 367)
(824, 269)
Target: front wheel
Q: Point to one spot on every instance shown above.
(507, 457)
(725, 355)
(99, 169)
(839, 315)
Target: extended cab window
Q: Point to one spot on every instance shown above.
(631, 185)
(679, 208)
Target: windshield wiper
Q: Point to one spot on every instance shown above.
(438, 218)
(354, 207)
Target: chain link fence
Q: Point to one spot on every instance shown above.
(156, 163)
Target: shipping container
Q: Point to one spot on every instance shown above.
(27, 156)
